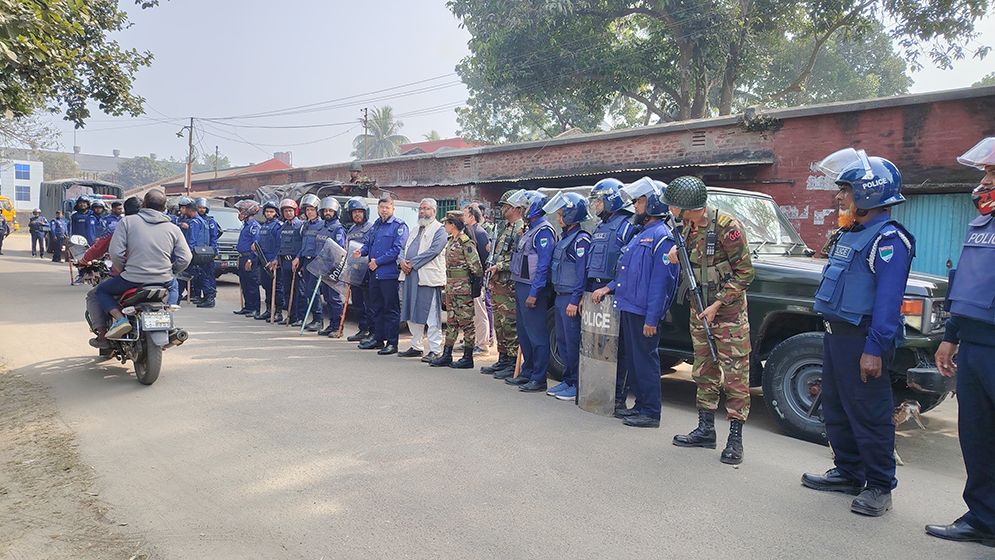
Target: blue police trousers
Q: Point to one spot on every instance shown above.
(248, 282)
(361, 304)
(38, 238)
(385, 308)
(976, 424)
(332, 305)
(567, 339)
(642, 361)
(533, 335)
(858, 415)
(265, 278)
(208, 282)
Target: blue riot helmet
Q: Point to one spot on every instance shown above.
(184, 201)
(536, 202)
(202, 203)
(878, 185)
(98, 204)
(606, 196)
(574, 207)
(270, 204)
(655, 203)
(357, 203)
(80, 201)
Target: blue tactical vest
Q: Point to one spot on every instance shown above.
(972, 293)
(309, 237)
(268, 232)
(563, 270)
(110, 223)
(214, 229)
(847, 287)
(100, 226)
(606, 248)
(525, 258)
(80, 223)
(290, 238)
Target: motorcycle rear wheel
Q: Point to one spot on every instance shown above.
(148, 366)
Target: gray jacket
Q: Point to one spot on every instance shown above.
(148, 248)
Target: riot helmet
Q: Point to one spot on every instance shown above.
(574, 207)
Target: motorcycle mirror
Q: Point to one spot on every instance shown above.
(78, 240)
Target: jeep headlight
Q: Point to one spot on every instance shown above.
(912, 312)
(923, 314)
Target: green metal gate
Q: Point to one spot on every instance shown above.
(938, 222)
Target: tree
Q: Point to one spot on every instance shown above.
(207, 163)
(28, 131)
(142, 171)
(676, 59)
(58, 55)
(988, 80)
(431, 136)
(57, 165)
(383, 139)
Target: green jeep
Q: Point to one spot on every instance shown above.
(787, 334)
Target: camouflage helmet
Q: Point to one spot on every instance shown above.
(247, 208)
(507, 195)
(687, 193)
(355, 166)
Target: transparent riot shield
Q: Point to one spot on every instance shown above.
(598, 356)
(356, 267)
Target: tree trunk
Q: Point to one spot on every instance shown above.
(734, 58)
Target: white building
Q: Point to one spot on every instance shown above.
(21, 181)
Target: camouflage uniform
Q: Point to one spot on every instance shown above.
(462, 261)
(727, 275)
(503, 288)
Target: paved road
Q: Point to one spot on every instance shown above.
(256, 442)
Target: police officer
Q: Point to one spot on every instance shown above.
(209, 283)
(82, 222)
(99, 210)
(361, 226)
(197, 234)
(60, 230)
(860, 300)
(530, 264)
(383, 245)
(502, 288)
(269, 247)
(612, 233)
(111, 220)
(462, 262)
(720, 259)
(312, 226)
(248, 279)
(4, 231)
(290, 247)
(38, 226)
(568, 272)
(970, 335)
(331, 229)
(644, 288)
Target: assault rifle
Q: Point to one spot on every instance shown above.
(693, 288)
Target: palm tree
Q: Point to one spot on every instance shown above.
(434, 135)
(382, 139)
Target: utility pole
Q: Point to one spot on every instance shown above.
(366, 134)
(215, 162)
(189, 174)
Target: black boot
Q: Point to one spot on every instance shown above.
(263, 316)
(466, 362)
(502, 362)
(278, 319)
(733, 453)
(207, 303)
(328, 330)
(703, 435)
(445, 359)
(313, 326)
(359, 337)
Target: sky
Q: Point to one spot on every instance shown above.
(220, 59)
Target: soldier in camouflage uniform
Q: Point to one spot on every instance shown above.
(720, 259)
(502, 289)
(462, 263)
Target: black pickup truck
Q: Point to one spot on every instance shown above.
(787, 334)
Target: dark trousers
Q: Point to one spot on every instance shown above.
(311, 282)
(38, 238)
(361, 302)
(976, 423)
(332, 305)
(248, 282)
(208, 284)
(57, 248)
(642, 363)
(533, 335)
(567, 339)
(623, 385)
(858, 415)
(385, 308)
(288, 283)
(107, 292)
(265, 278)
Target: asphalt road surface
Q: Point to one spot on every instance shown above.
(259, 443)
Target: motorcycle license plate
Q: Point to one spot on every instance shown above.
(233, 264)
(157, 320)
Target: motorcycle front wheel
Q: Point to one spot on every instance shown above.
(148, 365)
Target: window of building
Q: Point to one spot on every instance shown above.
(22, 194)
(446, 205)
(22, 171)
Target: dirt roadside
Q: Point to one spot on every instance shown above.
(48, 505)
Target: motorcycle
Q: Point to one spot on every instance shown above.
(151, 318)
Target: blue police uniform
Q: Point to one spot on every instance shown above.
(361, 294)
(269, 244)
(644, 288)
(85, 224)
(568, 271)
(110, 223)
(310, 245)
(209, 282)
(60, 229)
(100, 225)
(860, 300)
(607, 242)
(332, 308)
(197, 235)
(38, 226)
(530, 264)
(384, 243)
(289, 247)
(972, 325)
(248, 281)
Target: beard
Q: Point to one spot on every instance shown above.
(640, 219)
(846, 218)
(424, 222)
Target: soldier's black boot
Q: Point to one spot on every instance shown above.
(445, 359)
(703, 435)
(498, 365)
(733, 453)
(466, 362)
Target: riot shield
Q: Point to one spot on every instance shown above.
(357, 267)
(329, 264)
(598, 356)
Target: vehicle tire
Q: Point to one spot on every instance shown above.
(105, 353)
(556, 366)
(148, 367)
(791, 367)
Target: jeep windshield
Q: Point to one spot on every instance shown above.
(767, 228)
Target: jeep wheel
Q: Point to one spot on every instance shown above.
(791, 377)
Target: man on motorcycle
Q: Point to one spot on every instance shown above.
(146, 248)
